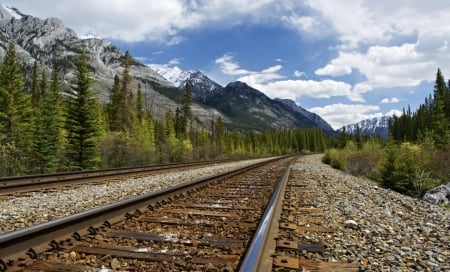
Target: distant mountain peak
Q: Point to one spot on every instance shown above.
(174, 75)
(378, 126)
(6, 13)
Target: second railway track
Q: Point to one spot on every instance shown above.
(14, 185)
(204, 227)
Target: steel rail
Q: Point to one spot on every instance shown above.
(257, 258)
(30, 240)
(34, 182)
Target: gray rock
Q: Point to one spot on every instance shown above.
(439, 195)
(351, 224)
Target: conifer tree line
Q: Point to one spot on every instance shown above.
(47, 126)
(431, 119)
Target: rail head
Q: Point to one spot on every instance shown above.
(257, 250)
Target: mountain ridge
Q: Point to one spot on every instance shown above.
(377, 126)
(48, 40)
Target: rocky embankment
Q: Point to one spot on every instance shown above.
(378, 229)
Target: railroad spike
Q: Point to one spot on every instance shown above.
(54, 245)
(31, 253)
(76, 236)
(107, 224)
(3, 266)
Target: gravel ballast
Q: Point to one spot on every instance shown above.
(378, 229)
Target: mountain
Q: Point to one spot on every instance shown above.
(310, 115)
(250, 108)
(174, 75)
(375, 126)
(202, 87)
(48, 41)
(247, 107)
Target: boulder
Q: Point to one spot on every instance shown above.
(439, 195)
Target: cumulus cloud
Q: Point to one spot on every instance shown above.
(295, 89)
(334, 70)
(229, 66)
(390, 44)
(273, 84)
(299, 73)
(392, 100)
(339, 115)
(154, 20)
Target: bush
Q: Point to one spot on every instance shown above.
(326, 158)
(362, 162)
(338, 164)
(335, 159)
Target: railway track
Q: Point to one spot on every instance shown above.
(202, 225)
(285, 243)
(11, 185)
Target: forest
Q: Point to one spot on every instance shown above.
(47, 125)
(415, 158)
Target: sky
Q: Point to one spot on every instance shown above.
(346, 60)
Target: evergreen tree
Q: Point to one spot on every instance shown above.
(82, 119)
(35, 93)
(186, 110)
(440, 122)
(15, 112)
(123, 108)
(140, 104)
(47, 140)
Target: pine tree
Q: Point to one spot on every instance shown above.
(82, 119)
(440, 122)
(35, 93)
(186, 109)
(47, 140)
(15, 111)
(140, 104)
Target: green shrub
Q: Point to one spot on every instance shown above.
(334, 158)
(338, 164)
(326, 158)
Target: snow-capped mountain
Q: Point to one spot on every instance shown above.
(174, 75)
(375, 126)
(10, 12)
(202, 87)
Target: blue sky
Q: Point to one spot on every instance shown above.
(345, 60)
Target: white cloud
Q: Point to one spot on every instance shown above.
(334, 70)
(299, 73)
(274, 85)
(154, 20)
(392, 100)
(306, 24)
(339, 115)
(295, 89)
(391, 44)
(229, 66)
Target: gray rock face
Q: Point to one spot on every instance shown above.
(48, 41)
(439, 195)
(375, 126)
